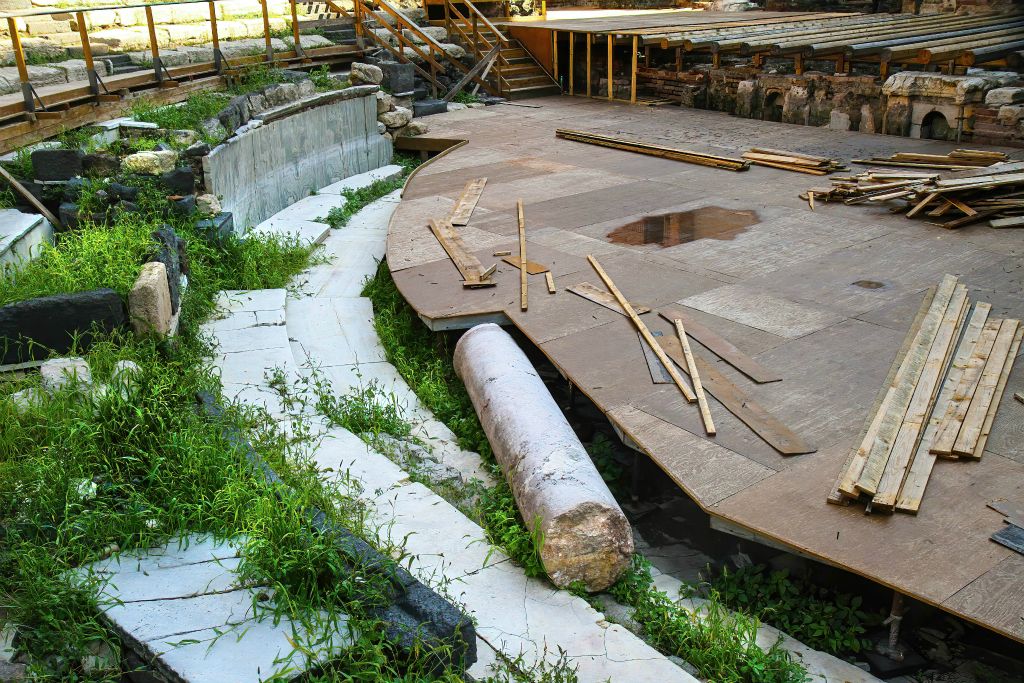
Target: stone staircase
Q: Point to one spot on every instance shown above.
(322, 322)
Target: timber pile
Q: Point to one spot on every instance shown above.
(792, 161)
(939, 401)
(994, 193)
(654, 150)
(957, 160)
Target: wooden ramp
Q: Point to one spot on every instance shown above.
(822, 299)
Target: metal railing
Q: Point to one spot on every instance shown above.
(36, 106)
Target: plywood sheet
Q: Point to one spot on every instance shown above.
(995, 597)
(764, 311)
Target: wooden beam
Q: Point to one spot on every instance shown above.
(215, 37)
(550, 280)
(632, 77)
(554, 58)
(951, 414)
(266, 31)
(466, 263)
(698, 389)
(603, 298)
(154, 45)
(913, 487)
(844, 489)
(990, 417)
(642, 329)
(974, 420)
(611, 44)
(920, 407)
(572, 63)
(467, 202)
(720, 346)
(523, 274)
(590, 41)
(29, 197)
(295, 27)
(902, 390)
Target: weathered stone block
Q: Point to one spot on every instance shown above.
(67, 212)
(397, 118)
(172, 253)
(179, 181)
(398, 77)
(57, 164)
(366, 73)
(100, 165)
(384, 101)
(207, 204)
(57, 373)
(149, 303)
(150, 163)
(218, 228)
(429, 107)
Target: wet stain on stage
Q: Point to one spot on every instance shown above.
(670, 229)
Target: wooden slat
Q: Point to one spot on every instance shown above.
(720, 346)
(532, 267)
(653, 150)
(990, 417)
(467, 202)
(468, 265)
(550, 280)
(603, 298)
(691, 368)
(749, 412)
(902, 390)
(916, 481)
(641, 327)
(974, 422)
(920, 407)
(29, 197)
(951, 416)
(523, 302)
(659, 375)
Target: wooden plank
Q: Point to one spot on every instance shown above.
(467, 201)
(654, 150)
(1011, 222)
(468, 265)
(951, 417)
(603, 298)
(550, 280)
(916, 481)
(845, 487)
(788, 167)
(720, 346)
(974, 420)
(990, 416)
(659, 375)
(691, 367)
(921, 204)
(909, 435)
(966, 210)
(532, 267)
(903, 389)
(968, 220)
(749, 412)
(29, 197)
(523, 303)
(641, 327)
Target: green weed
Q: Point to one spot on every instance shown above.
(464, 97)
(819, 616)
(358, 199)
(188, 115)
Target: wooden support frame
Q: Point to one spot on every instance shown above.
(297, 47)
(266, 31)
(572, 62)
(218, 57)
(632, 77)
(154, 46)
(554, 58)
(611, 64)
(590, 76)
(90, 66)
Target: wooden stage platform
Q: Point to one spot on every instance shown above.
(822, 298)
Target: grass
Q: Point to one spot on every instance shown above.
(189, 115)
(721, 644)
(358, 199)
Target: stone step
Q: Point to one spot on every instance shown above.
(184, 611)
(22, 237)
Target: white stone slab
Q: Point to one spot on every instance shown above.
(306, 232)
(353, 258)
(234, 300)
(313, 208)
(763, 311)
(361, 180)
(334, 331)
(22, 236)
(250, 338)
(343, 379)
(254, 367)
(342, 454)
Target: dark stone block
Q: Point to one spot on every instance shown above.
(171, 251)
(127, 207)
(57, 164)
(428, 107)
(234, 115)
(218, 228)
(34, 188)
(103, 197)
(398, 77)
(184, 206)
(179, 181)
(68, 215)
(163, 147)
(124, 193)
(51, 322)
(73, 189)
(198, 149)
(100, 165)
(421, 91)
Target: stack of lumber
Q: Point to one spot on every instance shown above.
(792, 161)
(672, 153)
(957, 160)
(939, 401)
(994, 193)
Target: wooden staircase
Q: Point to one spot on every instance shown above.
(522, 76)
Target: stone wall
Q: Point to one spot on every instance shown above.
(269, 166)
(961, 6)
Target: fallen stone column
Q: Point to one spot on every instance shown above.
(583, 534)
